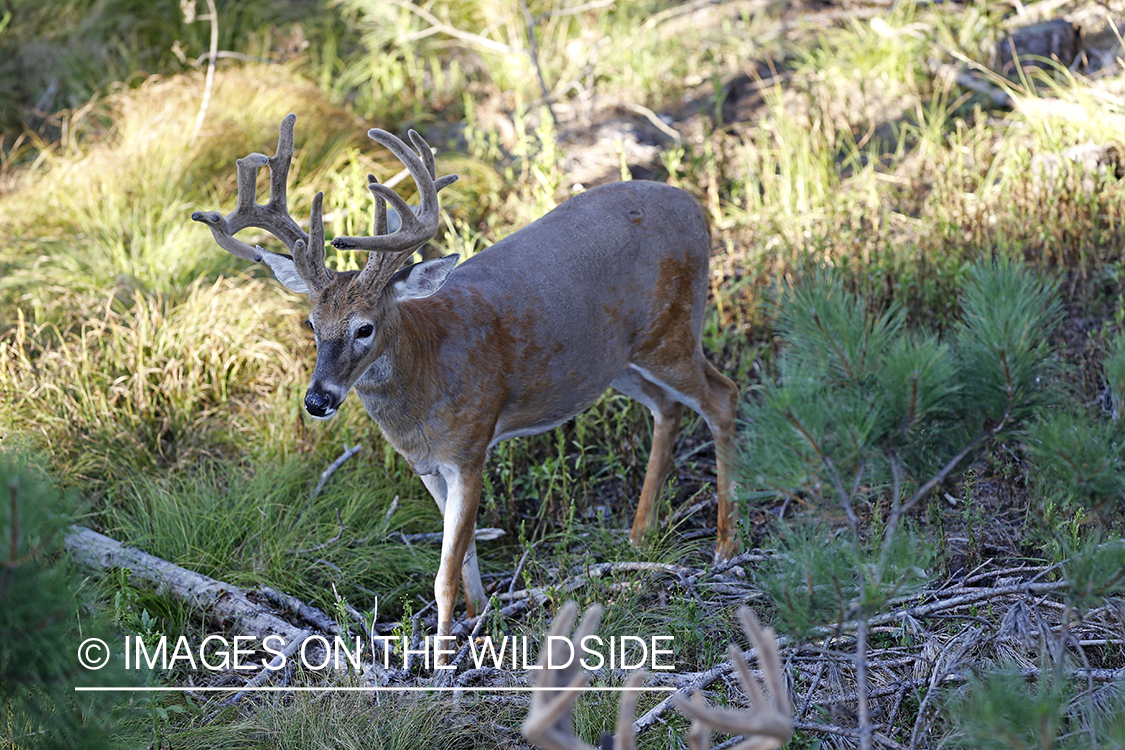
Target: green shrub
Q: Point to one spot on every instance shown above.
(42, 622)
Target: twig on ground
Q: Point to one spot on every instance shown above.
(306, 612)
(438, 27)
(263, 675)
(969, 641)
(435, 537)
(843, 732)
(657, 123)
(598, 571)
(866, 730)
(686, 511)
(473, 634)
(519, 569)
(330, 542)
(327, 473)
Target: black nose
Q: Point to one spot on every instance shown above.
(318, 403)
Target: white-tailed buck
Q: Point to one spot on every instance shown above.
(550, 720)
(607, 290)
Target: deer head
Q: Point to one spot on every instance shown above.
(350, 310)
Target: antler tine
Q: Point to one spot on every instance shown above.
(767, 727)
(627, 711)
(309, 259)
(699, 736)
(272, 216)
(424, 151)
(549, 722)
(416, 229)
(380, 211)
(445, 181)
(765, 641)
(279, 167)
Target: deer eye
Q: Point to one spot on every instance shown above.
(364, 331)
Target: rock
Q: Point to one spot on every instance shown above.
(1056, 39)
(1086, 161)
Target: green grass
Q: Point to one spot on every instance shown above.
(346, 720)
(262, 529)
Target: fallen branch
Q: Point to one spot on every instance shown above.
(597, 571)
(438, 27)
(263, 676)
(805, 726)
(222, 605)
(435, 537)
(297, 608)
(699, 683)
(677, 139)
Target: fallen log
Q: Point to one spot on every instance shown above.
(224, 606)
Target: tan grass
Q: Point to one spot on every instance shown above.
(116, 202)
(143, 379)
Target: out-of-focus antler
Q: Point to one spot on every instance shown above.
(768, 725)
(550, 723)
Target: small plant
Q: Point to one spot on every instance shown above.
(865, 420)
(130, 614)
(1002, 710)
(1079, 461)
(44, 630)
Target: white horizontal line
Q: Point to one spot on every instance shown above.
(387, 689)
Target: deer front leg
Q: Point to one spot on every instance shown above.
(475, 597)
(462, 497)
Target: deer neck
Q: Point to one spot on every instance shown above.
(400, 388)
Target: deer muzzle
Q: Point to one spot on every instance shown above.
(320, 403)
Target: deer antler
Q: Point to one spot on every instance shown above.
(549, 723)
(272, 216)
(767, 726)
(308, 249)
(389, 250)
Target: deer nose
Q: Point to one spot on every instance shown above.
(319, 403)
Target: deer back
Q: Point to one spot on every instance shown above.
(532, 330)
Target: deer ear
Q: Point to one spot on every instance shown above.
(422, 279)
(285, 271)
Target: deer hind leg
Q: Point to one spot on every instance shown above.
(695, 383)
(666, 415)
(719, 409)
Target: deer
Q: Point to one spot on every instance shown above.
(605, 291)
(559, 681)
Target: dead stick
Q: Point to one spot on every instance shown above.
(327, 473)
(266, 672)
